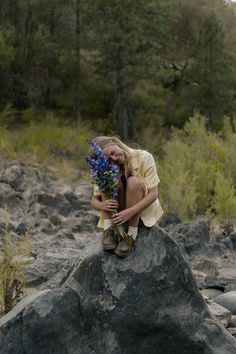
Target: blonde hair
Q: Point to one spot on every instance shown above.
(104, 141)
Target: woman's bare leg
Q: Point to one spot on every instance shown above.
(135, 191)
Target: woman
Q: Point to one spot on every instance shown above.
(137, 196)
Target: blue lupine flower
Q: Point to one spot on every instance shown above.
(104, 173)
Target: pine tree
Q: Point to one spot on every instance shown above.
(211, 74)
(119, 40)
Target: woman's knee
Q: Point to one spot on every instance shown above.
(134, 183)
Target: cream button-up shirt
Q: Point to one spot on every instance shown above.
(144, 167)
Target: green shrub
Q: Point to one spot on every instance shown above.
(8, 116)
(178, 191)
(30, 115)
(46, 141)
(189, 170)
(228, 136)
(223, 205)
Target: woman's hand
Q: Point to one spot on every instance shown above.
(110, 205)
(123, 216)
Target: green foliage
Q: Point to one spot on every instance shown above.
(229, 143)
(138, 65)
(46, 142)
(96, 96)
(8, 116)
(6, 51)
(12, 263)
(223, 204)
(194, 161)
(6, 58)
(178, 192)
(151, 140)
(148, 102)
(106, 126)
(181, 193)
(211, 73)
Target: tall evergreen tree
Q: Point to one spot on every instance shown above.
(119, 39)
(211, 73)
(6, 58)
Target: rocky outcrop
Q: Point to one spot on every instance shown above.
(55, 216)
(212, 262)
(148, 302)
(60, 223)
(145, 303)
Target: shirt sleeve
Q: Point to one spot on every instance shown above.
(150, 173)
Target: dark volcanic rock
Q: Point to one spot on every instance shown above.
(51, 213)
(204, 265)
(233, 240)
(57, 202)
(213, 262)
(169, 219)
(145, 303)
(21, 229)
(46, 322)
(221, 283)
(73, 199)
(23, 178)
(9, 198)
(15, 177)
(191, 238)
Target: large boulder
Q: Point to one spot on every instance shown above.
(145, 303)
(54, 215)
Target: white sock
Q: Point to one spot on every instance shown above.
(133, 232)
(107, 223)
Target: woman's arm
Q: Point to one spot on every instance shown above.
(128, 213)
(104, 205)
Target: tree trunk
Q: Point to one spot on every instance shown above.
(121, 113)
(77, 66)
(17, 86)
(122, 118)
(51, 63)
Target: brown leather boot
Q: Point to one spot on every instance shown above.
(108, 240)
(125, 246)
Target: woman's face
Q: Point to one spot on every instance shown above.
(115, 154)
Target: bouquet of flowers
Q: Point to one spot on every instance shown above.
(105, 175)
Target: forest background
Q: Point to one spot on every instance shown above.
(159, 73)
